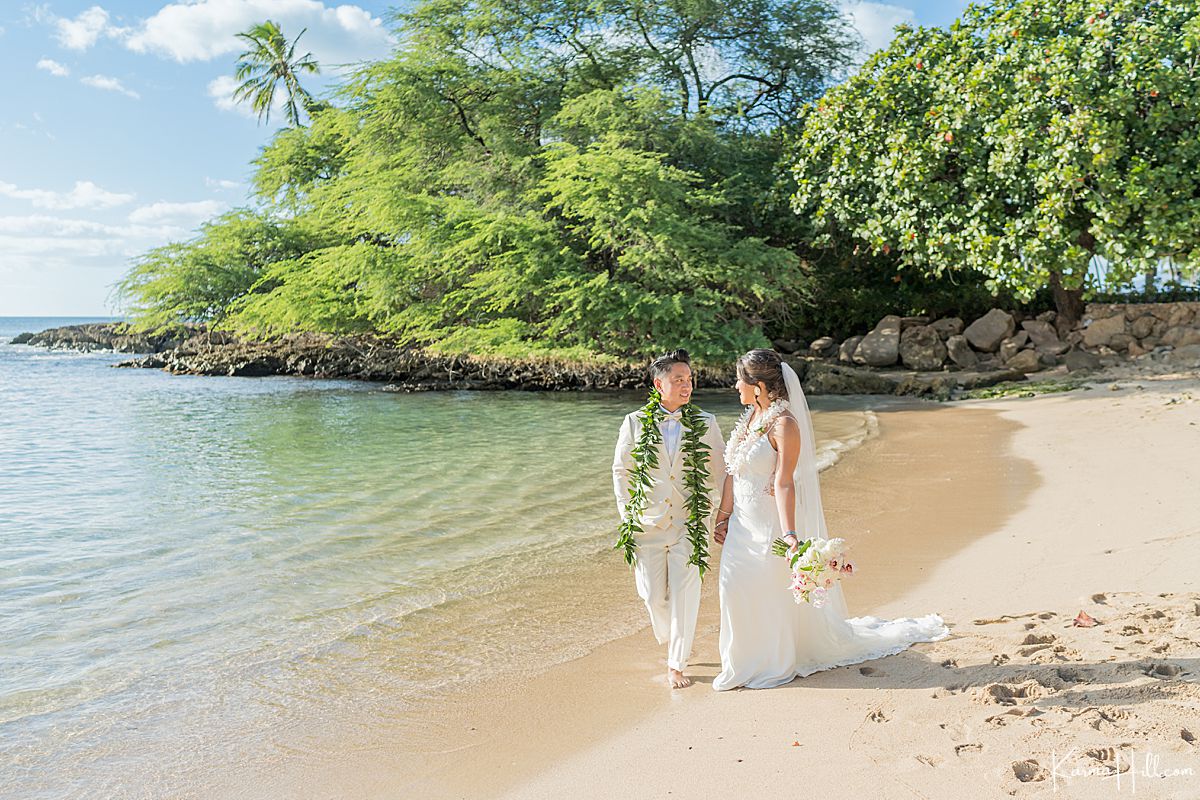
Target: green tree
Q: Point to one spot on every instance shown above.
(518, 178)
(1028, 139)
(200, 280)
(269, 62)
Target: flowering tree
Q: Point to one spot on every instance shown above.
(1030, 137)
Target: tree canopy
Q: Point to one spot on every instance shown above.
(1022, 142)
(529, 175)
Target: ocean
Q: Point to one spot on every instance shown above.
(198, 573)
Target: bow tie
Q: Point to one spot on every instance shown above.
(675, 415)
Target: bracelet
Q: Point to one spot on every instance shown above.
(723, 511)
(792, 533)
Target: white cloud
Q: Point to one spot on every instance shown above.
(876, 21)
(202, 30)
(221, 90)
(84, 194)
(43, 235)
(188, 214)
(84, 30)
(53, 67)
(221, 184)
(108, 84)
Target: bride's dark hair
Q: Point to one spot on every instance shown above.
(763, 366)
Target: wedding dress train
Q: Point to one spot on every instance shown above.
(766, 638)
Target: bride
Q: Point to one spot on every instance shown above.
(767, 639)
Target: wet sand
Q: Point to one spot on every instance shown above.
(1008, 517)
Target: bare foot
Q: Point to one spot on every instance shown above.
(677, 679)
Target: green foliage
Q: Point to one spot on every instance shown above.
(1026, 139)
(199, 280)
(696, 457)
(517, 179)
(268, 62)
(850, 293)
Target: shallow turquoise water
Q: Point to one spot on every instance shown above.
(195, 570)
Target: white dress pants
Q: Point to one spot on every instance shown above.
(670, 588)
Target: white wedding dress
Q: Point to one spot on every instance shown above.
(767, 639)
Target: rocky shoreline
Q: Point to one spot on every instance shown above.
(906, 356)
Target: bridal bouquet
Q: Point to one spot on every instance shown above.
(816, 565)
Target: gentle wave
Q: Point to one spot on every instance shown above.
(199, 570)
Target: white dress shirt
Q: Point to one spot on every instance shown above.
(672, 430)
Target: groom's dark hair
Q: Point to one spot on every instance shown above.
(662, 365)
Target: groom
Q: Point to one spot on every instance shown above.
(668, 584)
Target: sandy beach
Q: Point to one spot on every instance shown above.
(1008, 517)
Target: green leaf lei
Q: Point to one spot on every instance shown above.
(695, 479)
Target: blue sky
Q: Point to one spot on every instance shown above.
(118, 134)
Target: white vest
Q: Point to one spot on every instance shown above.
(666, 498)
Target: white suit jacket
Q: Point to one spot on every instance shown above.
(666, 498)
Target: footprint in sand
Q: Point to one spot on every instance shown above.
(1000, 658)
(1099, 598)
(1069, 675)
(970, 747)
(1131, 630)
(1014, 714)
(877, 716)
(1163, 670)
(1008, 694)
(950, 663)
(870, 671)
(1028, 770)
(1036, 641)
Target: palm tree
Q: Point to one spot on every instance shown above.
(268, 62)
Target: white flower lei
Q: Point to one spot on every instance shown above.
(737, 451)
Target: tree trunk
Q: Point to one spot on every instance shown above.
(1068, 303)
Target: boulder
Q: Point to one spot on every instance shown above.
(1047, 316)
(1077, 360)
(1025, 361)
(947, 327)
(21, 338)
(1142, 327)
(1161, 311)
(978, 380)
(880, 347)
(1099, 331)
(1186, 356)
(912, 322)
(960, 352)
(1181, 314)
(1041, 333)
(1181, 336)
(825, 378)
(786, 346)
(1010, 346)
(987, 332)
(921, 348)
(1120, 342)
(824, 347)
(846, 351)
